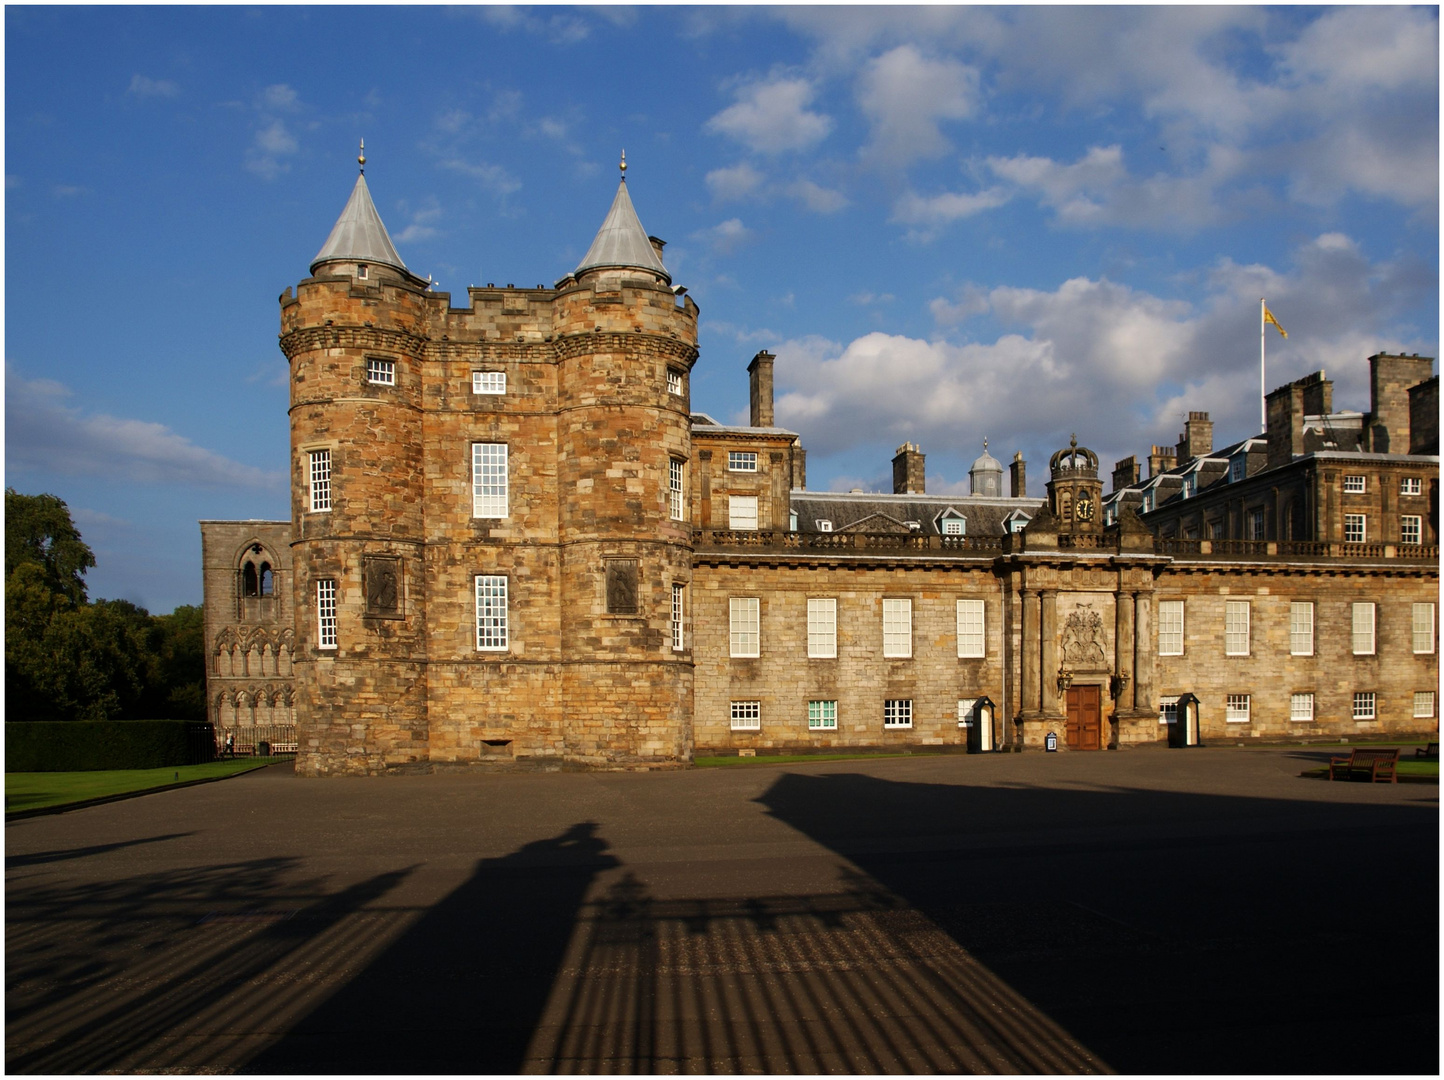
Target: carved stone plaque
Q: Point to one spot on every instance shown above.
(1083, 641)
(381, 576)
(621, 586)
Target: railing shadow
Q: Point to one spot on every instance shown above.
(1167, 931)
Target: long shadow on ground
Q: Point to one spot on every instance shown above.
(1169, 932)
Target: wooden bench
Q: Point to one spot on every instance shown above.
(1430, 751)
(1373, 765)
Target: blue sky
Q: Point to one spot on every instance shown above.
(948, 223)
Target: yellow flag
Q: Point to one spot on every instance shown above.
(1269, 318)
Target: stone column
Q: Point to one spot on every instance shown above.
(1123, 648)
(1049, 651)
(1028, 697)
(1143, 652)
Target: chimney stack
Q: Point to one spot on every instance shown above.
(907, 470)
(1161, 459)
(1125, 473)
(1197, 438)
(1387, 426)
(1017, 478)
(759, 374)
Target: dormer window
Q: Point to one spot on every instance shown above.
(1235, 469)
(823, 525)
(362, 271)
(954, 526)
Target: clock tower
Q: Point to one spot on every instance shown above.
(1075, 494)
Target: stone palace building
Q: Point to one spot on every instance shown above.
(513, 540)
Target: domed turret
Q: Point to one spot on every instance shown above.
(621, 243)
(359, 242)
(986, 475)
(1074, 491)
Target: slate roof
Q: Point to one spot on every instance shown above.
(359, 235)
(984, 516)
(621, 241)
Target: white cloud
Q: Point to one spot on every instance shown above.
(905, 95)
(727, 237)
(815, 197)
(44, 433)
(1115, 364)
(772, 117)
(422, 225)
(278, 98)
(736, 182)
(558, 29)
(493, 178)
(270, 147)
(142, 87)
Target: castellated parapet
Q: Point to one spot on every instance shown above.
(578, 394)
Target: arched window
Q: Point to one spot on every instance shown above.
(268, 580)
(250, 584)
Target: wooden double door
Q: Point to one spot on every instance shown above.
(1085, 717)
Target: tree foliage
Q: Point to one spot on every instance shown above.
(68, 659)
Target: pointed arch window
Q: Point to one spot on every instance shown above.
(250, 580)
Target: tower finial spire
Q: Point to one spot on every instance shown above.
(361, 157)
(624, 166)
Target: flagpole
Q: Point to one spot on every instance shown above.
(1262, 385)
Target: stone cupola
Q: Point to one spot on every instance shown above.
(986, 475)
(1075, 493)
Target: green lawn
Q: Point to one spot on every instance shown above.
(37, 790)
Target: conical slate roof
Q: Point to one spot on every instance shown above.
(359, 235)
(621, 241)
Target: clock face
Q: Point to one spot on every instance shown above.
(1085, 509)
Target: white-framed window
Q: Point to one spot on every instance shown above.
(1147, 501)
(326, 613)
(741, 461)
(1170, 628)
(747, 716)
(488, 480)
(897, 713)
(1256, 524)
(822, 626)
(971, 642)
(1365, 705)
(362, 271)
(491, 628)
(745, 625)
(1410, 485)
(679, 595)
(955, 526)
(897, 628)
(676, 505)
(488, 382)
(1411, 528)
(742, 512)
(319, 471)
(1363, 629)
(1356, 529)
(1355, 485)
(380, 372)
(822, 716)
(1421, 623)
(1236, 709)
(1423, 704)
(967, 711)
(1301, 628)
(674, 382)
(1236, 469)
(1235, 627)
(1168, 709)
(824, 525)
(1301, 708)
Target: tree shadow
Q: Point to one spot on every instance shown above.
(1168, 931)
(13, 862)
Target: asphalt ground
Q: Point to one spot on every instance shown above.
(1200, 911)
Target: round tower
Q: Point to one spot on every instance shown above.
(986, 475)
(625, 344)
(353, 333)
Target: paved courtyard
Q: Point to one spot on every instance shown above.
(1155, 911)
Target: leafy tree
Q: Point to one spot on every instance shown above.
(66, 659)
(38, 530)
